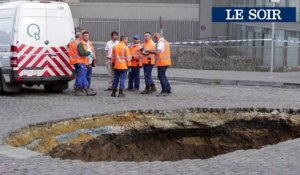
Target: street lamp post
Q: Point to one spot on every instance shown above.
(273, 40)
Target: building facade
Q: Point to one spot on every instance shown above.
(182, 19)
(286, 54)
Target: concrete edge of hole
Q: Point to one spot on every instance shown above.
(152, 111)
(198, 141)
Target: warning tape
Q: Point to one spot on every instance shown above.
(288, 41)
(219, 41)
(232, 41)
(225, 41)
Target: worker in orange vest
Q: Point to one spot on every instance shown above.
(136, 64)
(85, 47)
(121, 60)
(108, 53)
(79, 62)
(148, 63)
(163, 55)
(88, 46)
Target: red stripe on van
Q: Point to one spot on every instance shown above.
(66, 62)
(21, 48)
(59, 66)
(55, 66)
(47, 65)
(25, 54)
(64, 49)
(39, 60)
(33, 56)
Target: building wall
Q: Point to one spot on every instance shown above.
(286, 54)
(253, 57)
(176, 10)
(205, 18)
(148, 11)
(146, 1)
(220, 29)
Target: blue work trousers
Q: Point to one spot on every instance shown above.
(81, 80)
(134, 78)
(89, 73)
(148, 74)
(119, 76)
(165, 85)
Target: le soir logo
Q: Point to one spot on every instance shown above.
(255, 14)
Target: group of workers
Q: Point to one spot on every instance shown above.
(83, 58)
(120, 60)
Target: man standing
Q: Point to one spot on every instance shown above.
(79, 62)
(163, 61)
(89, 47)
(121, 60)
(136, 64)
(86, 48)
(108, 52)
(148, 62)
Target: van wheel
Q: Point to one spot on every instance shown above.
(50, 88)
(29, 85)
(2, 92)
(56, 88)
(8, 88)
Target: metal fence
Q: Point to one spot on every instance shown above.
(242, 56)
(173, 30)
(234, 56)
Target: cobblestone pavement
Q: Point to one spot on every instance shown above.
(33, 105)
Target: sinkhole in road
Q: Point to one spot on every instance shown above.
(167, 135)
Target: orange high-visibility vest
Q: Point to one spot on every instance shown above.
(135, 50)
(121, 57)
(164, 58)
(75, 58)
(149, 59)
(86, 48)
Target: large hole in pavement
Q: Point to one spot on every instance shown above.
(160, 135)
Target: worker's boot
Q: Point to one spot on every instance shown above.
(114, 93)
(121, 94)
(147, 90)
(153, 88)
(162, 94)
(169, 91)
(90, 92)
(79, 92)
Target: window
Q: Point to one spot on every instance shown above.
(295, 3)
(5, 29)
(251, 3)
(259, 3)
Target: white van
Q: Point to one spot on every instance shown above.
(34, 38)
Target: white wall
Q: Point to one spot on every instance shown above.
(205, 18)
(135, 11)
(220, 29)
(152, 11)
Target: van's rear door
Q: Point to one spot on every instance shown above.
(44, 32)
(60, 31)
(6, 28)
(31, 47)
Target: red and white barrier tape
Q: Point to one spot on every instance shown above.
(219, 41)
(225, 41)
(232, 41)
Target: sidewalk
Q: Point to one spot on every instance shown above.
(280, 79)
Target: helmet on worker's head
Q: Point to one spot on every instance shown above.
(136, 37)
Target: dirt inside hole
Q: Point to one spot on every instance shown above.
(170, 144)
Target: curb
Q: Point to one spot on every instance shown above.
(226, 82)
